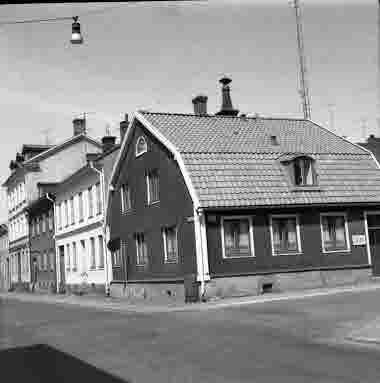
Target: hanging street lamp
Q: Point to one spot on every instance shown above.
(76, 36)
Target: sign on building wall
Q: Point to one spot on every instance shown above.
(358, 239)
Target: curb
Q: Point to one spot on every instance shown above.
(121, 306)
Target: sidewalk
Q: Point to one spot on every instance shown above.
(122, 305)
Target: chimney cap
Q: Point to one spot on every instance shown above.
(199, 98)
(225, 80)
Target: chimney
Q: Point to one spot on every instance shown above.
(200, 105)
(123, 127)
(108, 143)
(227, 108)
(79, 125)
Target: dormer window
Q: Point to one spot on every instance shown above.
(141, 146)
(303, 172)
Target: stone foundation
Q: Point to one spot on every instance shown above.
(85, 289)
(228, 287)
(149, 292)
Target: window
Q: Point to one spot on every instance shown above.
(68, 257)
(59, 216)
(90, 202)
(75, 261)
(237, 237)
(52, 260)
(285, 235)
(80, 203)
(141, 250)
(170, 244)
(50, 220)
(141, 146)
(303, 172)
(43, 223)
(37, 226)
(46, 262)
(33, 227)
(92, 249)
(101, 251)
(334, 232)
(116, 260)
(125, 198)
(98, 199)
(152, 186)
(66, 213)
(72, 211)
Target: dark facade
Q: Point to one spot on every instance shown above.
(42, 244)
(173, 210)
(311, 256)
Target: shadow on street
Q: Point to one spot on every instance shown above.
(42, 363)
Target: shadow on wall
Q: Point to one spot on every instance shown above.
(41, 363)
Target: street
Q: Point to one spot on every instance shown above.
(296, 340)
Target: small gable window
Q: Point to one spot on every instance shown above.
(141, 146)
(303, 171)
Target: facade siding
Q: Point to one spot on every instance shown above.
(312, 256)
(173, 208)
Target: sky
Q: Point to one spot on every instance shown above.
(158, 55)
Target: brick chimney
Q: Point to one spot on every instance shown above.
(79, 125)
(200, 105)
(108, 142)
(227, 108)
(123, 127)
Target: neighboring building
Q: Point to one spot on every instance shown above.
(82, 255)
(40, 214)
(222, 205)
(45, 165)
(5, 265)
(373, 145)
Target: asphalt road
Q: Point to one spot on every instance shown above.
(288, 341)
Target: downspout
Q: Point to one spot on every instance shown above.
(55, 248)
(102, 191)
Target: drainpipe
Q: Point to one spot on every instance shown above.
(102, 192)
(55, 249)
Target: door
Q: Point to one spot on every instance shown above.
(61, 252)
(373, 221)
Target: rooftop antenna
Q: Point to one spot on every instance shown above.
(304, 89)
(363, 123)
(378, 68)
(332, 117)
(46, 132)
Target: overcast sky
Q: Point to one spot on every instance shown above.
(157, 56)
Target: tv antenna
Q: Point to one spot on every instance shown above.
(304, 89)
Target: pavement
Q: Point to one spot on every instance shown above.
(118, 304)
(295, 337)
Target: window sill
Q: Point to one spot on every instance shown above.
(171, 262)
(310, 188)
(127, 212)
(336, 251)
(153, 203)
(292, 253)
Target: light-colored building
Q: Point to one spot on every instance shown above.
(39, 164)
(5, 271)
(82, 255)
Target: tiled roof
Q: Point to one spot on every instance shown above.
(232, 161)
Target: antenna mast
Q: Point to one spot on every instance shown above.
(304, 91)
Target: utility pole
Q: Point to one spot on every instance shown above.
(378, 67)
(304, 89)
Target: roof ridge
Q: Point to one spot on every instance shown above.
(230, 117)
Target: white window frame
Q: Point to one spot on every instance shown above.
(43, 229)
(164, 237)
(329, 214)
(122, 195)
(137, 144)
(298, 233)
(100, 245)
(74, 252)
(147, 177)
(238, 217)
(137, 250)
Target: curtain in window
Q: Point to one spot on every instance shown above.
(292, 234)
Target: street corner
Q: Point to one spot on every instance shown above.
(367, 333)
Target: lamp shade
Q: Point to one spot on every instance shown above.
(76, 36)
